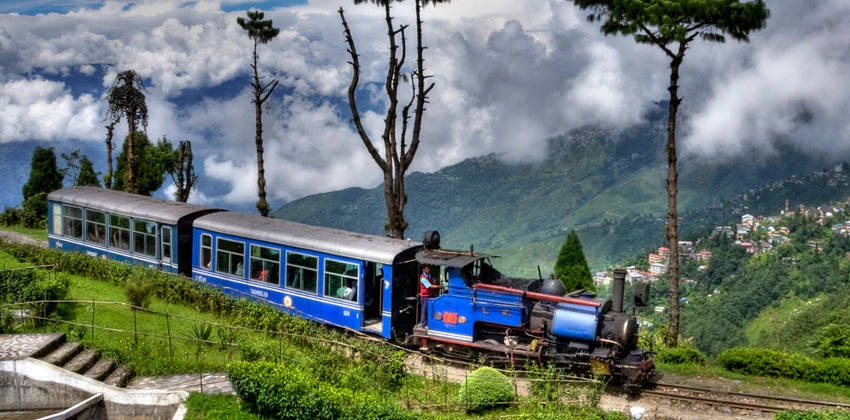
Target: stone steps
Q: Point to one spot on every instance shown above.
(76, 358)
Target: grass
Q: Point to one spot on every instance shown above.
(158, 341)
(37, 234)
(216, 407)
(744, 383)
(7, 262)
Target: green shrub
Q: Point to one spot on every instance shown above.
(139, 290)
(812, 415)
(486, 388)
(7, 321)
(11, 216)
(832, 371)
(681, 356)
(33, 285)
(279, 391)
(764, 362)
(288, 392)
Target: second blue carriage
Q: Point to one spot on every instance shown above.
(351, 280)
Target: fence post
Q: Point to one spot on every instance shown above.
(168, 327)
(92, 320)
(135, 329)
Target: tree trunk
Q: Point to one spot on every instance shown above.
(130, 185)
(672, 229)
(262, 204)
(109, 147)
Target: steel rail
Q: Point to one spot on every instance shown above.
(754, 396)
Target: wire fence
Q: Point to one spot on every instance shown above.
(177, 333)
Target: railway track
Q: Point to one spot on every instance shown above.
(735, 400)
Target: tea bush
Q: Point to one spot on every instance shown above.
(763, 362)
(139, 290)
(288, 392)
(681, 356)
(484, 389)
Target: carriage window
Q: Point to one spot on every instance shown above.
(72, 222)
(95, 227)
(302, 272)
(166, 243)
(229, 257)
(57, 219)
(144, 237)
(206, 251)
(341, 279)
(119, 232)
(265, 264)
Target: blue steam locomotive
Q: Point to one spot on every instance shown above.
(361, 282)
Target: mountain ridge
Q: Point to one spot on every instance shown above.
(591, 176)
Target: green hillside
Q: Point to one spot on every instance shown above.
(607, 184)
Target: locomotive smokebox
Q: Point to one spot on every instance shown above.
(431, 239)
(617, 289)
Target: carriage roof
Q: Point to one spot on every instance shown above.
(375, 248)
(127, 204)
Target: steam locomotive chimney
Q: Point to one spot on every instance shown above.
(617, 289)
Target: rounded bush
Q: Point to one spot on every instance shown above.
(486, 388)
(681, 356)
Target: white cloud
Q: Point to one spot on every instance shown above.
(507, 76)
(42, 109)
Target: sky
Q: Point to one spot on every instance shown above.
(508, 74)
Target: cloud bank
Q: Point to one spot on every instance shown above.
(507, 77)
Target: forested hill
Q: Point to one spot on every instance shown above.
(592, 178)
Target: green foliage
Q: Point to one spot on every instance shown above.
(11, 216)
(44, 179)
(216, 407)
(836, 414)
(34, 285)
(139, 289)
(79, 169)
(288, 392)
(44, 174)
(670, 22)
(87, 175)
(571, 266)
(7, 321)
(763, 362)
(833, 340)
(681, 356)
(261, 31)
(152, 163)
(486, 389)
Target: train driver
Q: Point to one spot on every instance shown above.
(426, 287)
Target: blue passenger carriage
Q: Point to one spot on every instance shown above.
(124, 227)
(362, 282)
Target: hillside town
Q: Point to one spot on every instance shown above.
(755, 234)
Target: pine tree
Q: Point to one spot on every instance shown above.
(44, 178)
(571, 267)
(87, 175)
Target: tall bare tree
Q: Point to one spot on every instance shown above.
(261, 32)
(398, 155)
(672, 26)
(182, 171)
(127, 99)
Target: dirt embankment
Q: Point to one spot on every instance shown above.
(20, 238)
